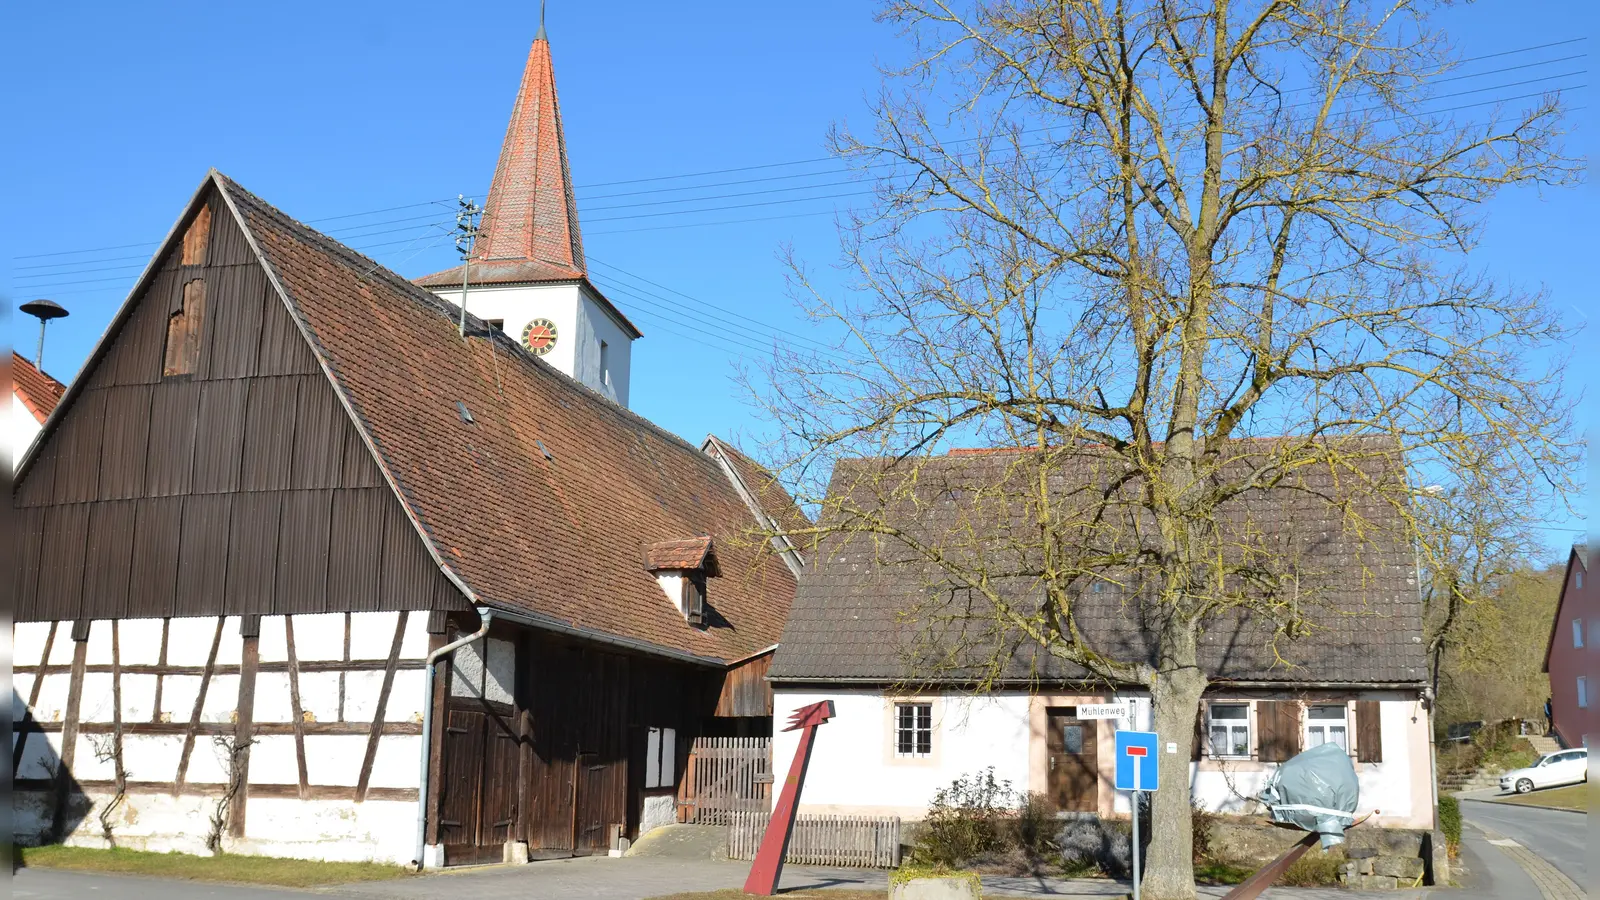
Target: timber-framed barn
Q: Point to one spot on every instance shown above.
(281, 481)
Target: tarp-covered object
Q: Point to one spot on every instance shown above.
(1317, 790)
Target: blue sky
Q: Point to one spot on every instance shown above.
(330, 109)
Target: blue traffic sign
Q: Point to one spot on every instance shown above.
(1137, 767)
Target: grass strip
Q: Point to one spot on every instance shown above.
(266, 870)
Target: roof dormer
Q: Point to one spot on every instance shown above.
(681, 568)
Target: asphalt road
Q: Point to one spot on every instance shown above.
(1557, 835)
(44, 884)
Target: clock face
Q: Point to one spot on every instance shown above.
(539, 336)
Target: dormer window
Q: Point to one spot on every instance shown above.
(681, 568)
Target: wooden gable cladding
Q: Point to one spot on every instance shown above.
(238, 484)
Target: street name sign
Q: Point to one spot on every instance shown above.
(1105, 710)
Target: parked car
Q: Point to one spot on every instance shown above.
(1566, 767)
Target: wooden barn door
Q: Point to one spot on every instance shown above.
(479, 786)
(1072, 744)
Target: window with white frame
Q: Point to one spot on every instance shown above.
(1577, 633)
(1583, 692)
(1229, 730)
(661, 758)
(913, 729)
(1328, 724)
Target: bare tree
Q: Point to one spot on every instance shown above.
(1131, 235)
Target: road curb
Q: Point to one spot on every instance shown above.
(1576, 812)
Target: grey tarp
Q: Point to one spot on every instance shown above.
(1316, 790)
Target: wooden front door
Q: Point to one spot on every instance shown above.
(1074, 761)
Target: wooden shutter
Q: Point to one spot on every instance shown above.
(1369, 732)
(1198, 752)
(1279, 724)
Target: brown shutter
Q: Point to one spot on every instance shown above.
(1198, 751)
(1279, 722)
(1369, 732)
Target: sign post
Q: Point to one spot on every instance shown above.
(1137, 772)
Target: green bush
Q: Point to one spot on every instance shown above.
(965, 821)
(1450, 821)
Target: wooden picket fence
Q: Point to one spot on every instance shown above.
(725, 776)
(868, 842)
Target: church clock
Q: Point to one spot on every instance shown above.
(539, 336)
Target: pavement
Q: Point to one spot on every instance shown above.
(601, 878)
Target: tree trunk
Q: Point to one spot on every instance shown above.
(1169, 866)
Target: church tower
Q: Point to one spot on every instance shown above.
(527, 273)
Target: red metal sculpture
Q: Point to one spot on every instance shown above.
(763, 880)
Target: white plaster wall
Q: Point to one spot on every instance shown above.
(581, 324)
(853, 769)
(595, 324)
(24, 428)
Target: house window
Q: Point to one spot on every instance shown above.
(1328, 725)
(694, 597)
(1577, 633)
(1579, 585)
(1583, 692)
(1230, 730)
(913, 729)
(184, 328)
(661, 758)
(605, 364)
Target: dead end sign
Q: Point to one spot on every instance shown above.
(1137, 768)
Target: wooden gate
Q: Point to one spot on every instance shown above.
(726, 775)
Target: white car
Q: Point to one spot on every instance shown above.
(1566, 767)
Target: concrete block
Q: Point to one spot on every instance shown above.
(1406, 868)
(957, 888)
(515, 852)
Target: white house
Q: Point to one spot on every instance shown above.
(899, 734)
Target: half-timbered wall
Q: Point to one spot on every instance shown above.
(326, 709)
(223, 475)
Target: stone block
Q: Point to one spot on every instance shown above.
(961, 887)
(514, 853)
(1436, 856)
(1387, 841)
(1374, 883)
(1348, 870)
(1364, 866)
(1406, 868)
(1360, 853)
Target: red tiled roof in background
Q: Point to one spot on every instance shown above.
(39, 392)
(685, 554)
(557, 535)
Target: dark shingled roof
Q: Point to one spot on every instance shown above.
(859, 612)
(558, 535)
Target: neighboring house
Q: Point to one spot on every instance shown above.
(33, 395)
(282, 480)
(898, 736)
(1571, 658)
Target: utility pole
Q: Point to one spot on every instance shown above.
(467, 217)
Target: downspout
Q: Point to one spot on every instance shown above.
(485, 617)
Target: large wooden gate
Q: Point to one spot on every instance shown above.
(726, 775)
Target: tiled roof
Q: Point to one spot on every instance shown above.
(39, 392)
(769, 495)
(685, 554)
(530, 221)
(556, 535)
(863, 608)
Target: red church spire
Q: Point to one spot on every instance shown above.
(531, 215)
